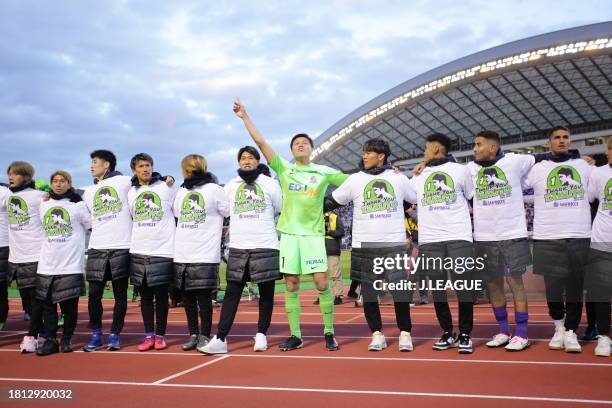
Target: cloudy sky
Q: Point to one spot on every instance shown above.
(161, 76)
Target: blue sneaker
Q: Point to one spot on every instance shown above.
(95, 342)
(113, 342)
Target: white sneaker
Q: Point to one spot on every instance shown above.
(261, 343)
(570, 342)
(517, 343)
(556, 343)
(405, 341)
(28, 345)
(214, 346)
(378, 342)
(603, 346)
(499, 340)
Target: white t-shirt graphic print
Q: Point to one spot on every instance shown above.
(442, 208)
(561, 205)
(200, 213)
(600, 188)
(107, 201)
(252, 211)
(25, 229)
(499, 210)
(63, 249)
(152, 219)
(378, 211)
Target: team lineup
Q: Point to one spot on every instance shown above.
(148, 231)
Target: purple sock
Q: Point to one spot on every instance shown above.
(521, 319)
(501, 315)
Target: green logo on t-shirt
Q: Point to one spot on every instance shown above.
(148, 207)
(106, 201)
(439, 188)
(17, 211)
(193, 208)
(249, 197)
(563, 183)
(56, 222)
(607, 204)
(378, 195)
(492, 182)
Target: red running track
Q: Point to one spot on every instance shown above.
(352, 376)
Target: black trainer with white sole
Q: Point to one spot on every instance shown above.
(291, 343)
(448, 340)
(330, 342)
(465, 344)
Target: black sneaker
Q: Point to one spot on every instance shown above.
(191, 344)
(330, 342)
(337, 300)
(465, 344)
(291, 343)
(316, 302)
(352, 295)
(50, 346)
(448, 340)
(66, 345)
(590, 334)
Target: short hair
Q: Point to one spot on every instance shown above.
(489, 171)
(249, 149)
(301, 135)
(140, 157)
(558, 127)
(105, 155)
(148, 196)
(380, 184)
(105, 190)
(62, 173)
(58, 212)
(194, 164)
(565, 172)
(489, 135)
(439, 177)
(21, 168)
(378, 146)
(442, 139)
(15, 201)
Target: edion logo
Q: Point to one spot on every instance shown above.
(303, 189)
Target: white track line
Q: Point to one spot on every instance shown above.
(318, 390)
(170, 377)
(351, 358)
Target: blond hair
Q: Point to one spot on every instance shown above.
(21, 168)
(194, 163)
(62, 173)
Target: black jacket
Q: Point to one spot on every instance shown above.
(334, 231)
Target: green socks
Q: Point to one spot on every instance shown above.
(292, 307)
(326, 303)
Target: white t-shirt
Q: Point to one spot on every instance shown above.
(152, 219)
(378, 205)
(63, 248)
(200, 215)
(111, 222)
(25, 229)
(499, 210)
(561, 205)
(442, 208)
(600, 188)
(4, 239)
(252, 211)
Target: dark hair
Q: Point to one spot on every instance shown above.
(378, 146)
(564, 171)
(105, 155)
(440, 177)
(489, 135)
(148, 196)
(140, 157)
(442, 139)
(301, 135)
(57, 211)
(490, 171)
(558, 127)
(193, 197)
(15, 200)
(105, 190)
(380, 184)
(249, 149)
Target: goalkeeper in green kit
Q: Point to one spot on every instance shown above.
(302, 242)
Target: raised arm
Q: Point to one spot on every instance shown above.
(259, 140)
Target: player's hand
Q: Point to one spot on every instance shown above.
(239, 109)
(418, 169)
(396, 169)
(169, 181)
(589, 160)
(46, 197)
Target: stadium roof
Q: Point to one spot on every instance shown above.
(520, 89)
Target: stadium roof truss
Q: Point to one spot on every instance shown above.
(520, 89)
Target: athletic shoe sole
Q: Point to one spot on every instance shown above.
(465, 351)
(291, 348)
(89, 349)
(555, 347)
